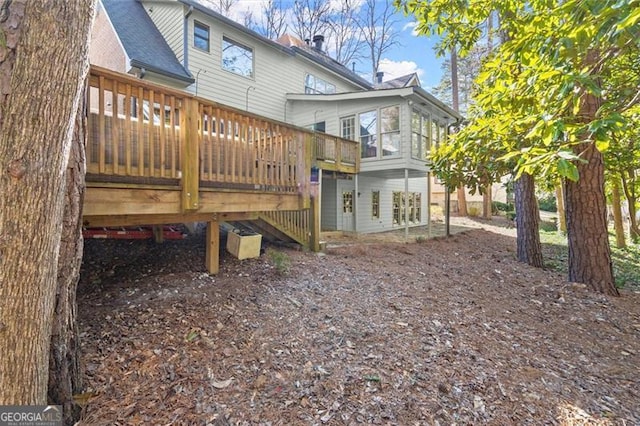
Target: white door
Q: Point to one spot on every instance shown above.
(346, 194)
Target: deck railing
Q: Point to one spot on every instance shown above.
(145, 133)
(334, 153)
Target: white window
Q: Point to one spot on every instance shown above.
(369, 134)
(348, 128)
(390, 130)
(237, 57)
(201, 36)
(316, 85)
(420, 137)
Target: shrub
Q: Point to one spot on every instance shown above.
(474, 211)
(511, 215)
(547, 203)
(280, 260)
(502, 207)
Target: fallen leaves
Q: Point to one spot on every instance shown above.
(353, 337)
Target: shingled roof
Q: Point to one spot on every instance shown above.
(142, 41)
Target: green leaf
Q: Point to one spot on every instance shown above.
(568, 170)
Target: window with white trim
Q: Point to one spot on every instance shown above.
(390, 130)
(420, 136)
(200, 36)
(237, 58)
(316, 85)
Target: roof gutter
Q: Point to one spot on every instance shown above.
(185, 39)
(150, 68)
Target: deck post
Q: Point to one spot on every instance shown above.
(213, 247)
(190, 162)
(314, 244)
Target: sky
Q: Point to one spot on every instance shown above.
(412, 54)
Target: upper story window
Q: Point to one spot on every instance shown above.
(200, 36)
(237, 57)
(390, 130)
(315, 85)
(420, 137)
(369, 134)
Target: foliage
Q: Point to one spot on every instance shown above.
(626, 261)
(548, 203)
(502, 207)
(553, 55)
(280, 260)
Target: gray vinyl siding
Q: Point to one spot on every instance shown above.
(275, 73)
(169, 18)
(329, 207)
(366, 185)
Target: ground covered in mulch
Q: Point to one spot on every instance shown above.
(436, 332)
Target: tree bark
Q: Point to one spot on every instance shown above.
(43, 62)
(487, 211)
(618, 225)
(589, 251)
(562, 219)
(65, 376)
(529, 248)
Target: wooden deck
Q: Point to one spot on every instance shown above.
(157, 155)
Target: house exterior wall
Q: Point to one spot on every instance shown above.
(275, 72)
(168, 17)
(305, 113)
(366, 185)
(329, 205)
(105, 49)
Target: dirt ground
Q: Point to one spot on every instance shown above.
(376, 330)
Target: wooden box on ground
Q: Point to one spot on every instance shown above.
(244, 246)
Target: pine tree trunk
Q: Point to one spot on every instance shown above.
(562, 218)
(618, 225)
(589, 251)
(529, 248)
(65, 376)
(44, 62)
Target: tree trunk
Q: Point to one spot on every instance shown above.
(589, 251)
(487, 212)
(44, 62)
(628, 185)
(618, 225)
(65, 376)
(529, 248)
(462, 201)
(562, 219)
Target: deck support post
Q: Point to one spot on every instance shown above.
(213, 247)
(189, 117)
(314, 244)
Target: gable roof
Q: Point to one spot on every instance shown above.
(322, 59)
(404, 81)
(142, 41)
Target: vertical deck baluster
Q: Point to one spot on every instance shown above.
(127, 130)
(172, 136)
(101, 129)
(115, 129)
(140, 139)
(152, 133)
(218, 143)
(91, 126)
(162, 128)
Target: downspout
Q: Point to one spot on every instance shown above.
(185, 39)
